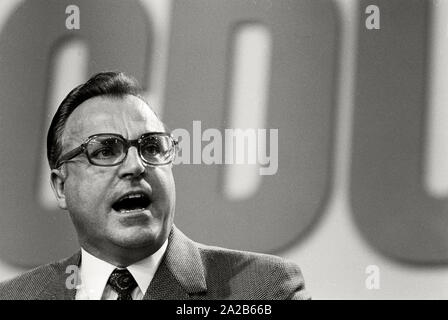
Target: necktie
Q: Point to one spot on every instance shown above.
(122, 281)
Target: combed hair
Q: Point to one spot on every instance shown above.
(113, 84)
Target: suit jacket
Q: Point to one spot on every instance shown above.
(188, 270)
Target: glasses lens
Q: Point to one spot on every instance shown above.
(157, 149)
(106, 150)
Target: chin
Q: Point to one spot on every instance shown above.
(134, 239)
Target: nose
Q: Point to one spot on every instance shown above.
(132, 166)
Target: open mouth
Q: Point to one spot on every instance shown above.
(132, 202)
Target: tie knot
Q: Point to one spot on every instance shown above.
(122, 281)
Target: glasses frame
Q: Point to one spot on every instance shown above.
(127, 144)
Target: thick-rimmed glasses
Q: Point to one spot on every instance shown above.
(110, 149)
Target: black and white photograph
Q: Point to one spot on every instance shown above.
(224, 150)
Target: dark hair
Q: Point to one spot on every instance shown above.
(114, 84)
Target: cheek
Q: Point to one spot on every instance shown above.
(166, 183)
(86, 190)
(162, 183)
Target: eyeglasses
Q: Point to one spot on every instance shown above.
(110, 149)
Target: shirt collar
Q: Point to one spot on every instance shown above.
(143, 271)
(95, 272)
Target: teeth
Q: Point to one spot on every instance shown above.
(134, 210)
(132, 196)
(134, 202)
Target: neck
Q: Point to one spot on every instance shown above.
(121, 257)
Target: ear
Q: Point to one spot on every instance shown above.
(57, 179)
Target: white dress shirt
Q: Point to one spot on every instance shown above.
(95, 272)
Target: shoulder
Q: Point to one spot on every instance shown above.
(31, 283)
(269, 276)
(224, 255)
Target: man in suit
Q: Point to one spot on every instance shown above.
(111, 158)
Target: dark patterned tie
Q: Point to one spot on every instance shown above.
(122, 281)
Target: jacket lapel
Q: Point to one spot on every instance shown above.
(56, 288)
(181, 272)
(180, 275)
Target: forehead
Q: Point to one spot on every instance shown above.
(128, 116)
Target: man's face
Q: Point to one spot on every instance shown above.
(90, 193)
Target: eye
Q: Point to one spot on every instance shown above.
(103, 153)
(151, 148)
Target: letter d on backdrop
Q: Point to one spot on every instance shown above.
(300, 100)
